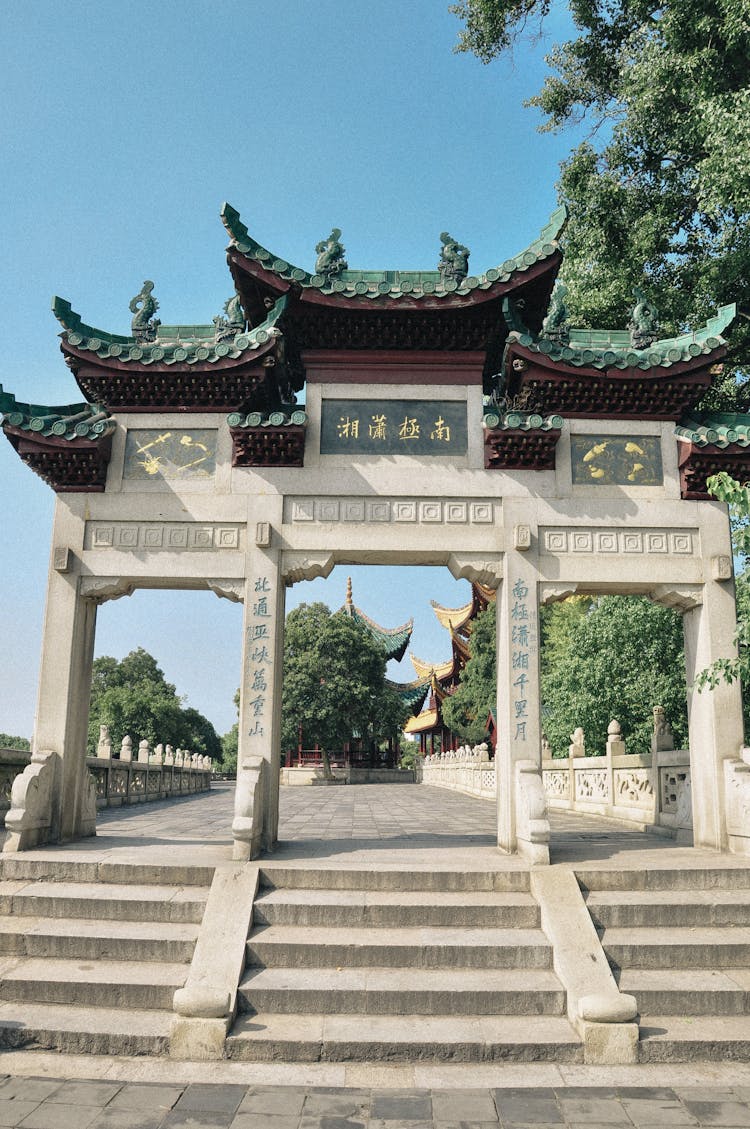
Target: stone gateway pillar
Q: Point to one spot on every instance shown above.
(256, 813)
(521, 808)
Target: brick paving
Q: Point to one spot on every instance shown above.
(43, 1103)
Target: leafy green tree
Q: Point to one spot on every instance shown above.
(230, 743)
(465, 711)
(659, 191)
(334, 684)
(622, 658)
(737, 497)
(7, 741)
(133, 698)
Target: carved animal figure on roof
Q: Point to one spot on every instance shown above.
(234, 322)
(330, 261)
(644, 321)
(144, 325)
(555, 325)
(454, 259)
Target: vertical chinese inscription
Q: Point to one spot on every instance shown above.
(260, 644)
(523, 640)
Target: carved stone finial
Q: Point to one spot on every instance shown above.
(577, 747)
(555, 325)
(662, 737)
(143, 307)
(330, 261)
(454, 259)
(234, 322)
(644, 321)
(349, 595)
(104, 748)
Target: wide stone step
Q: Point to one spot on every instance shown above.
(126, 984)
(72, 869)
(671, 1038)
(389, 991)
(629, 909)
(104, 901)
(703, 991)
(279, 946)
(404, 908)
(730, 877)
(84, 1030)
(678, 948)
(325, 878)
(361, 1038)
(97, 940)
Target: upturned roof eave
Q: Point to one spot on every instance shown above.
(249, 258)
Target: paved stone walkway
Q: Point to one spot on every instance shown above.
(396, 825)
(387, 826)
(43, 1103)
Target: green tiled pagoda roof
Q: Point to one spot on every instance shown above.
(393, 640)
(393, 283)
(181, 344)
(716, 429)
(68, 421)
(612, 348)
(521, 421)
(412, 694)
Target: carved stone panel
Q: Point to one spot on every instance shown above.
(371, 511)
(592, 784)
(168, 536)
(556, 783)
(581, 540)
(633, 786)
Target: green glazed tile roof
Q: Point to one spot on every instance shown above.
(174, 344)
(412, 694)
(284, 416)
(611, 348)
(393, 283)
(69, 421)
(716, 429)
(521, 421)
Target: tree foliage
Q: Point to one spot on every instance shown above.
(621, 657)
(659, 191)
(334, 685)
(8, 741)
(612, 657)
(133, 698)
(737, 497)
(465, 711)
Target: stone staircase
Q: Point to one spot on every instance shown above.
(91, 954)
(346, 965)
(679, 941)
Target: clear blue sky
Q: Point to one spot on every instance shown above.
(125, 126)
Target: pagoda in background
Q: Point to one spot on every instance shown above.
(394, 642)
(443, 678)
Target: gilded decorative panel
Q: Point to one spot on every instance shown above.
(616, 460)
(153, 454)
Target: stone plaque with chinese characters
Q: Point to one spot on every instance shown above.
(616, 460)
(393, 427)
(170, 453)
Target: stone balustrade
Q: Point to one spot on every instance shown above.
(12, 763)
(465, 769)
(638, 789)
(157, 773)
(642, 789)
